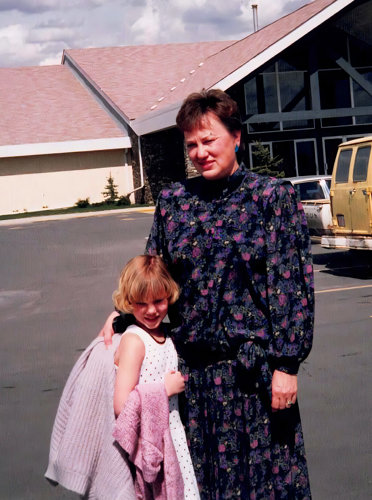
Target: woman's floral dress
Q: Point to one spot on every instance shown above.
(240, 250)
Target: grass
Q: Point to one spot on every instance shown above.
(69, 210)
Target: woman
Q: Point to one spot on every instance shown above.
(238, 246)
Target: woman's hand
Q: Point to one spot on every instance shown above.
(107, 332)
(284, 390)
(174, 383)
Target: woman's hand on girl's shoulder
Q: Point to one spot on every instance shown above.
(107, 331)
(174, 383)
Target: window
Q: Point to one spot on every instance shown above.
(330, 146)
(294, 91)
(361, 96)
(285, 151)
(261, 97)
(279, 88)
(334, 86)
(311, 191)
(361, 164)
(306, 158)
(343, 165)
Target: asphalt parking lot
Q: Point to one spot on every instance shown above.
(57, 277)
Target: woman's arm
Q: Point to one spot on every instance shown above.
(107, 331)
(129, 358)
(290, 292)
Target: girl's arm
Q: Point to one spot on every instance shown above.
(130, 355)
(174, 383)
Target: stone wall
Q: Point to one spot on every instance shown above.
(163, 161)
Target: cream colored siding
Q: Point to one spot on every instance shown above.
(57, 181)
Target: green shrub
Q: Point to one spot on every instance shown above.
(123, 200)
(82, 203)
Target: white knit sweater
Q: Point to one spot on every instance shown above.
(84, 456)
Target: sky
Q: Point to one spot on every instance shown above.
(35, 32)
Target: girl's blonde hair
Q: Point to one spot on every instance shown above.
(144, 276)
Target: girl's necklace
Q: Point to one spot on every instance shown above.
(156, 340)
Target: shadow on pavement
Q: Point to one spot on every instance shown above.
(349, 263)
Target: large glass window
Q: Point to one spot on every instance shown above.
(362, 97)
(251, 101)
(261, 97)
(278, 91)
(285, 151)
(360, 52)
(299, 157)
(306, 157)
(343, 166)
(295, 96)
(330, 152)
(361, 164)
(269, 103)
(334, 87)
(294, 91)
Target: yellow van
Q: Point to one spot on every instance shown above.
(351, 196)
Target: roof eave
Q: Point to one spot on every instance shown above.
(49, 148)
(156, 120)
(116, 113)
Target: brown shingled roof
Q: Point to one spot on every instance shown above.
(48, 104)
(141, 80)
(136, 77)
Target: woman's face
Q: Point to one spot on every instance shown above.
(211, 148)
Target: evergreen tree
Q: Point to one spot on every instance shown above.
(265, 164)
(110, 194)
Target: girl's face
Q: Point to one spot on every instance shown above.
(151, 312)
(211, 148)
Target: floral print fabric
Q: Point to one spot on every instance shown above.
(240, 250)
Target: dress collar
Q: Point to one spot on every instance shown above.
(214, 190)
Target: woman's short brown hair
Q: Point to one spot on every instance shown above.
(144, 276)
(216, 101)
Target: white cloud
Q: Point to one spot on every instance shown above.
(22, 46)
(147, 27)
(33, 6)
(36, 31)
(51, 60)
(163, 21)
(51, 34)
(14, 47)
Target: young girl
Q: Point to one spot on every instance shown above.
(145, 353)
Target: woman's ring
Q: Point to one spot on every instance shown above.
(289, 403)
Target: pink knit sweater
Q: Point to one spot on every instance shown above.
(142, 430)
(83, 455)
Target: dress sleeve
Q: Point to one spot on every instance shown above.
(290, 285)
(156, 244)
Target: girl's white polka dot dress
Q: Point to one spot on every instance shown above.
(160, 359)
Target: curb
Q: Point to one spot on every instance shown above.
(43, 218)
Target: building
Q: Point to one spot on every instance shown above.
(303, 84)
(56, 143)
